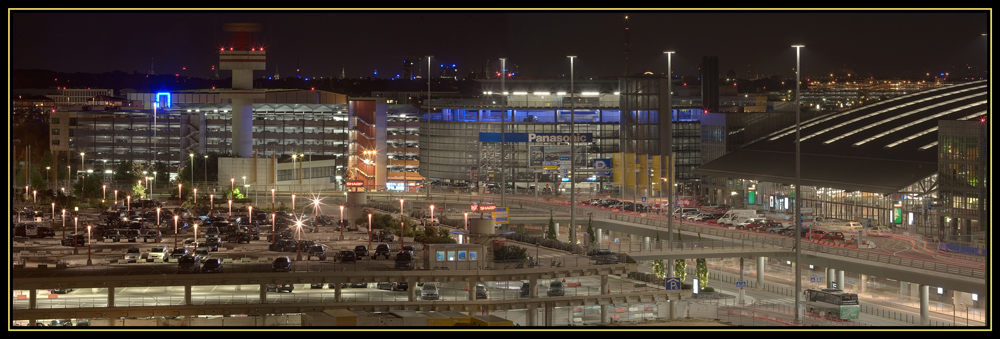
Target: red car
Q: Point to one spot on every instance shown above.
(833, 236)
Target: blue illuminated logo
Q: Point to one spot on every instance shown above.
(165, 103)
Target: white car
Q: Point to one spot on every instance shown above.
(133, 254)
(159, 252)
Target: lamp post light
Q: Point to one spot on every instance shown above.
(53, 216)
(206, 168)
(116, 198)
(157, 217)
(196, 236)
(179, 192)
(211, 203)
(195, 199)
(572, 155)
(232, 184)
(48, 176)
(128, 204)
(272, 199)
(34, 196)
(230, 209)
(82, 186)
(250, 214)
(191, 155)
(798, 190)
(369, 230)
(89, 262)
(273, 230)
(432, 215)
(298, 244)
(402, 225)
(293, 204)
(176, 221)
(64, 222)
(76, 231)
(341, 222)
(104, 192)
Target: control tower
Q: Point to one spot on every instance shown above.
(242, 57)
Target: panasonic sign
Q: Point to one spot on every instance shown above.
(535, 137)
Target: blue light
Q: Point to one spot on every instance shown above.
(942, 74)
(307, 79)
(270, 78)
(565, 179)
(452, 65)
(167, 94)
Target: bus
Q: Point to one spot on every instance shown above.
(832, 303)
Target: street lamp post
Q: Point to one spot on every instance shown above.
(195, 199)
(293, 204)
(432, 215)
(273, 229)
(191, 155)
(667, 148)
(341, 222)
(211, 203)
(572, 155)
(402, 225)
(89, 243)
(116, 199)
(798, 190)
(179, 192)
(230, 209)
(104, 192)
(64, 222)
(272, 199)
(128, 204)
(298, 244)
(176, 221)
(76, 231)
(369, 230)
(82, 186)
(206, 168)
(157, 217)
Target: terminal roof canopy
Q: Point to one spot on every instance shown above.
(881, 148)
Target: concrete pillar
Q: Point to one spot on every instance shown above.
(673, 309)
(263, 293)
(604, 284)
(605, 316)
(187, 295)
(600, 237)
(111, 296)
(472, 288)
(862, 282)
(242, 127)
(533, 291)
(411, 289)
(557, 230)
(840, 280)
(830, 275)
(760, 271)
(338, 291)
(549, 311)
(925, 319)
(532, 315)
(645, 243)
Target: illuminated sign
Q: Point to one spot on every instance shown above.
(483, 207)
(354, 183)
(535, 137)
(165, 103)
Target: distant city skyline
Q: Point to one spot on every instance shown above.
(536, 43)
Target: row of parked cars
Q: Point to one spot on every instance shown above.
(623, 205)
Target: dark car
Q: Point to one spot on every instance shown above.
(525, 290)
(481, 292)
(213, 244)
(213, 265)
(602, 257)
(393, 286)
(189, 264)
(346, 256)
(132, 234)
(317, 250)
(833, 236)
(404, 261)
(304, 245)
(280, 288)
(282, 264)
(360, 251)
(383, 250)
(179, 253)
(281, 235)
(383, 236)
(283, 245)
(113, 235)
(81, 240)
(240, 237)
(153, 235)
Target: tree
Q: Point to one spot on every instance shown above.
(680, 268)
(701, 267)
(162, 176)
(551, 232)
(91, 185)
(138, 190)
(128, 171)
(234, 194)
(659, 269)
(590, 228)
(511, 253)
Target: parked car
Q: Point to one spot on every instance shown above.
(481, 292)
(392, 286)
(213, 243)
(213, 265)
(282, 245)
(346, 256)
(77, 239)
(153, 235)
(280, 288)
(430, 291)
(159, 252)
(132, 234)
(240, 237)
(404, 261)
(833, 236)
(815, 234)
(282, 264)
(317, 250)
(113, 235)
(190, 263)
(383, 236)
(602, 257)
(133, 254)
(556, 289)
(383, 250)
(525, 289)
(203, 253)
(360, 251)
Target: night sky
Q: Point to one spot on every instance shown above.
(536, 43)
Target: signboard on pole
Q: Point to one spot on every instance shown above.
(602, 164)
(500, 215)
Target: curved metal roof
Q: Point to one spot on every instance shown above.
(882, 147)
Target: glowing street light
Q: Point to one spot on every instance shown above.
(230, 209)
(341, 222)
(176, 221)
(298, 226)
(158, 217)
(272, 198)
(432, 215)
(369, 230)
(402, 225)
(274, 236)
(89, 242)
(179, 194)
